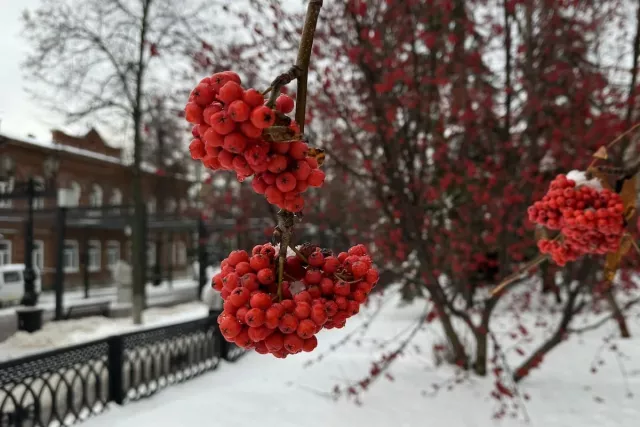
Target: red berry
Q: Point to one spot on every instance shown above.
(196, 149)
(249, 130)
(299, 150)
(230, 327)
(263, 117)
(288, 324)
(258, 184)
(266, 276)
(203, 94)
(275, 342)
(342, 288)
(303, 296)
(294, 205)
(274, 196)
(310, 344)
(229, 307)
(213, 138)
(193, 113)
(239, 296)
(313, 276)
(241, 313)
(302, 310)
(253, 98)
(306, 328)
(326, 286)
(319, 315)
(286, 182)
(316, 259)
(234, 77)
(302, 186)
(222, 123)
(277, 164)
(250, 281)
(359, 269)
(218, 80)
(281, 147)
(235, 142)
(230, 92)
(293, 343)
(316, 178)
(216, 107)
(260, 300)
(255, 317)
(284, 104)
(239, 111)
(302, 170)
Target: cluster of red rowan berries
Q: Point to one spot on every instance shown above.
(229, 123)
(590, 220)
(321, 291)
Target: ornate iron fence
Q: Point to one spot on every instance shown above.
(64, 386)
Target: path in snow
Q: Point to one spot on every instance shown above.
(261, 390)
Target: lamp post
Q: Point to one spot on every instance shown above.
(29, 190)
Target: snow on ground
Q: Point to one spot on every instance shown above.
(269, 392)
(69, 332)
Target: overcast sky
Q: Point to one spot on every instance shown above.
(18, 111)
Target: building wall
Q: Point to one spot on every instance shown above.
(101, 171)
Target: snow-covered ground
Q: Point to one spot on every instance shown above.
(269, 392)
(76, 331)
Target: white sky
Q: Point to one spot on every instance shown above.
(19, 113)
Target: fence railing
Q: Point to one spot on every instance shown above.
(64, 386)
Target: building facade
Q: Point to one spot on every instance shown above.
(86, 172)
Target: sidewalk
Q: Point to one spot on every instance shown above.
(180, 291)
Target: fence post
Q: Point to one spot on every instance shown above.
(222, 346)
(59, 277)
(116, 359)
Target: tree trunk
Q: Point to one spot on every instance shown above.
(617, 314)
(139, 217)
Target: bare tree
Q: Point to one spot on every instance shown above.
(99, 59)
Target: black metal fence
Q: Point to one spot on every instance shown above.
(68, 385)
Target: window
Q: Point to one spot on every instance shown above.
(171, 205)
(76, 192)
(183, 205)
(5, 252)
(38, 202)
(178, 253)
(113, 253)
(151, 253)
(94, 263)
(116, 197)
(5, 188)
(151, 205)
(95, 197)
(70, 256)
(38, 254)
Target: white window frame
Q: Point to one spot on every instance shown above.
(96, 196)
(38, 252)
(152, 205)
(92, 246)
(5, 255)
(111, 246)
(151, 254)
(172, 206)
(38, 202)
(75, 257)
(6, 187)
(116, 197)
(76, 190)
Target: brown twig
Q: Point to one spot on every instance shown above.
(299, 254)
(299, 71)
(536, 261)
(304, 57)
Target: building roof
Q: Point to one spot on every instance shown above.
(50, 144)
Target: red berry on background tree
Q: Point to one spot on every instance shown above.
(443, 148)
